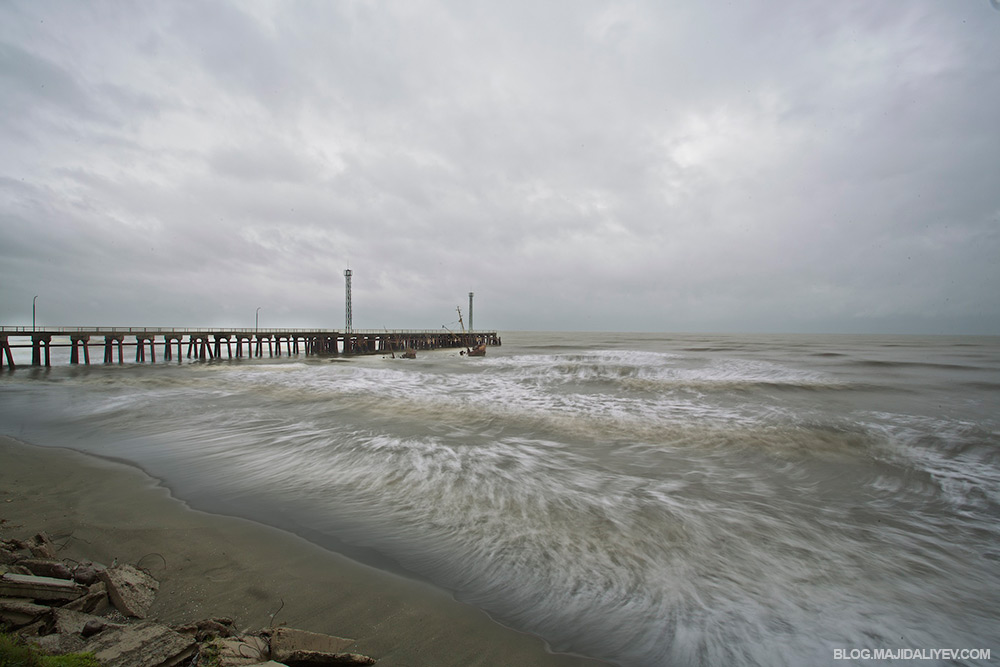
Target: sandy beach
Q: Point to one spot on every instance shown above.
(210, 565)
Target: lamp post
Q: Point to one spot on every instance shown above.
(33, 313)
(256, 320)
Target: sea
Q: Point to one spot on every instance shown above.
(641, 498)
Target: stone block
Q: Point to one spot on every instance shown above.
(131, 590)
(58, 643)
(34, 587)
(323, 659)
(145, 644)
(285, 641)
(44, 567)
(236, 651)
(18, 613)
(73, 622)
(95, 601)
(42, 547)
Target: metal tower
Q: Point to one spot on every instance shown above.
(347, 278)
(470, 310)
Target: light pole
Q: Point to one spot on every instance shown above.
(33, 313)
(256, 320)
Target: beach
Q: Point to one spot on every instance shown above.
(210, 565)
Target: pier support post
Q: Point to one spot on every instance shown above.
(109, 348)
(37, 342)
(78, 342)
(168, 340)
(5, 352)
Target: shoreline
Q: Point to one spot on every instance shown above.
(211, 565)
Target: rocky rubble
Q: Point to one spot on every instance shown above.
(86, 607)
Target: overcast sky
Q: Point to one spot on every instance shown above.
(779, 166)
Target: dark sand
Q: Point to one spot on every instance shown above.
(210, 565)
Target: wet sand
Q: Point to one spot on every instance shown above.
(210, 565)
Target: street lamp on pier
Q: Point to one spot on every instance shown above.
(33, 313)
(256, 320)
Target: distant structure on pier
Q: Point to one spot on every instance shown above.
(347, 279)
(471, 328)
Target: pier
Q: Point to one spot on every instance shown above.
(210, 344)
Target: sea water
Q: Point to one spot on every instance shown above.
(648, 499)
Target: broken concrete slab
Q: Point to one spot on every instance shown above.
(8, 556)
(320, 659)
(67, 621)
(59, 643)
(131, 590)
(18, 613)
(208, 628)
(41, 546)
(95, 601)
(86, 574)
(44, 567)
(34, 587)
(285, 641)
(236, 651)
(145, 644)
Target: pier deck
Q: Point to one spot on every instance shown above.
(208, 343)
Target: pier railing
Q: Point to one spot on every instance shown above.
(101, 330)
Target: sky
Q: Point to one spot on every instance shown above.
(761, 166)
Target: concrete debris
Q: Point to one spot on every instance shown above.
(209, 628)
(51, 607)
(86, 573)
(236, 651)
(94, 601)
(38, 588)
(58, 644)
(131, 590)
(8, 555)
(41, 546)
(70, 622)
(311, 658)
(146, 644)
(18, 612)
(44, 567)
(286, 641)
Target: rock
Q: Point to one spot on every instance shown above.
(209, 628)
(58, 643)
(8, 556)
(85, 574)
(95, 601)
(43, 567)
(131, 590)
(41, 546)
(34, 587)
(284, 641)
(235, 651)
(74, 622)
(92, 627)
(145, 644)
(299, 647)
(310, 658)
(19, 613)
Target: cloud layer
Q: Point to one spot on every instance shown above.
(774, 166)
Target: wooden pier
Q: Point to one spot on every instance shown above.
(210, 344)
